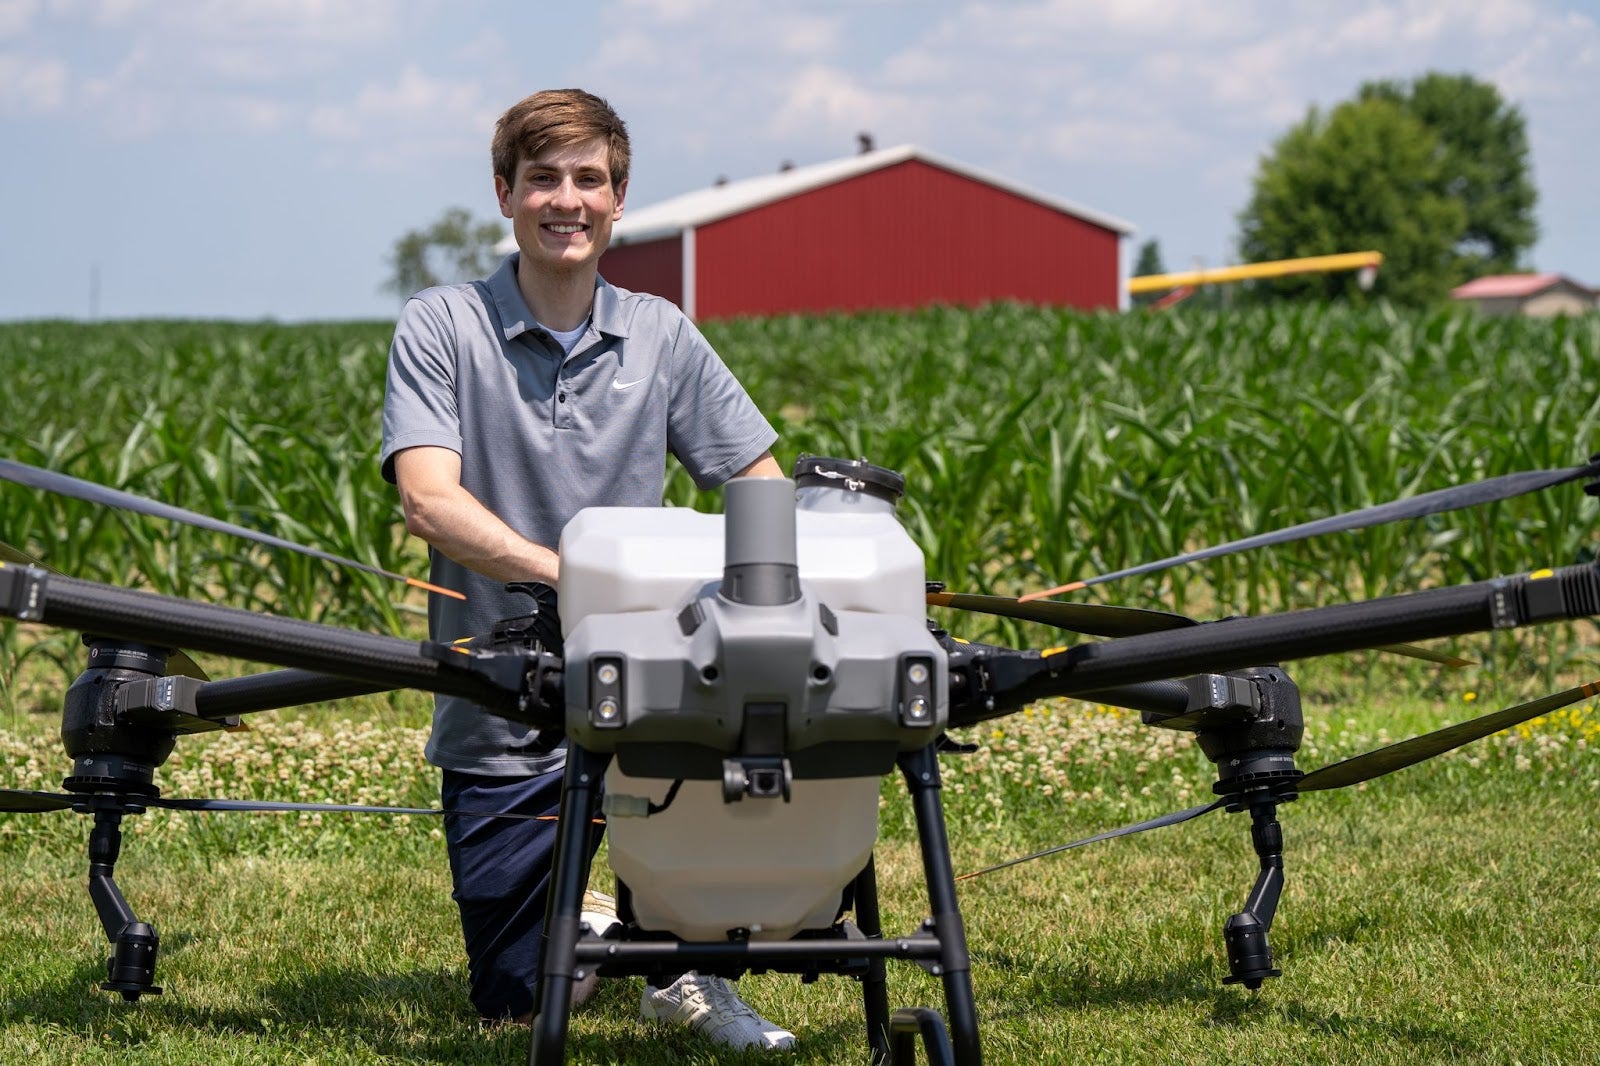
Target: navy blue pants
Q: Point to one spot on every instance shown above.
(500, 872)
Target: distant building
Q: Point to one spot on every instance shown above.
(894, 228)
(1540, 295)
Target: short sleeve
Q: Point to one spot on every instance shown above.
(713, 426)
(419, 400)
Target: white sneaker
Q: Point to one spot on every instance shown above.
(600, 911)
(710, 1007)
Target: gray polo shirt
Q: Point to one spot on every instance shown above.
(542, 435)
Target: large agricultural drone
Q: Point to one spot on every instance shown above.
(765, 668)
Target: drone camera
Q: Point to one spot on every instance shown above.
(759, 777)
(766, 783)
(916, 697)
(606, 709)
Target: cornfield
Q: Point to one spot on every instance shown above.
(1038, 446)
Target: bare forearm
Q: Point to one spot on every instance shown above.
(443, 513)
(455, 523)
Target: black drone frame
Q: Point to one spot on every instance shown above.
(123, 717)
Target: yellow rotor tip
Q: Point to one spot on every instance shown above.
(1058, 590)
(441, 590)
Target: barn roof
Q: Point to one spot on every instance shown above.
(1512, 285)
(667, 218)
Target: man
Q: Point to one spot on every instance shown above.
(513, 403)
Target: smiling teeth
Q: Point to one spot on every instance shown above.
(559, 228)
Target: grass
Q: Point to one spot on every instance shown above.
(1442, 914)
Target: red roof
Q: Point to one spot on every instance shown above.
(1501, 285)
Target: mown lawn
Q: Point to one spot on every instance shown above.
(1442, 914)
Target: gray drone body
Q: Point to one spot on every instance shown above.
(771, 663)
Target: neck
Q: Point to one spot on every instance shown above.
(558, 301)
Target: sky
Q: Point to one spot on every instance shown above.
(258, 159)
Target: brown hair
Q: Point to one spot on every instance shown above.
(557, 118)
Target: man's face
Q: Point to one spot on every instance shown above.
(562, 204)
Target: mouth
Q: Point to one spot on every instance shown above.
(564, 229)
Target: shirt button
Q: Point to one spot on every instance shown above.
(561, 397)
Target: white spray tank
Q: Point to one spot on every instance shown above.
(756, 676)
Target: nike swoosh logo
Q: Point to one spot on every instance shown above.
(616, 384)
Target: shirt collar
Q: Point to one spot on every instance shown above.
(516, 319)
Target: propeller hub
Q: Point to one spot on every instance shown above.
(1256, 771)
(97, 772)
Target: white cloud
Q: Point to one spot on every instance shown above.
(255, 20)
(412, 98)
(717, 37)
(410, 117)
(200, 66)
(821, 104)
(141, 98)
(763, 69)
(1091, 139)
(1555, 63)
(669, 11)
(34, 85)
(16, 16)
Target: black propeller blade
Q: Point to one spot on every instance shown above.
(1094, 619)
(16, 799)
(267, 806)
(1353, 771)
(1137, 827)
(273, 806)
(1398, 756)
(1439, 501)
(1412, 651)
(63, 485)
(1104, 620)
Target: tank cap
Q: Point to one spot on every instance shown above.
(850, 475)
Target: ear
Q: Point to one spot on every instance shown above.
(502, 192)
(622, 191)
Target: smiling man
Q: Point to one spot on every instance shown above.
(513, 403)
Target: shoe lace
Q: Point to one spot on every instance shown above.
(720, 996)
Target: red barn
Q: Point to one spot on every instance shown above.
(897, 228)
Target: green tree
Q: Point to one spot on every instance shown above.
(1148, 262)
(454, 248)
(1484, 151)
(1368, 175)
(1149, 259)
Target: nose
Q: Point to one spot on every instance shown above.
(566, 196)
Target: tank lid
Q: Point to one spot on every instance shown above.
(850, 475)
